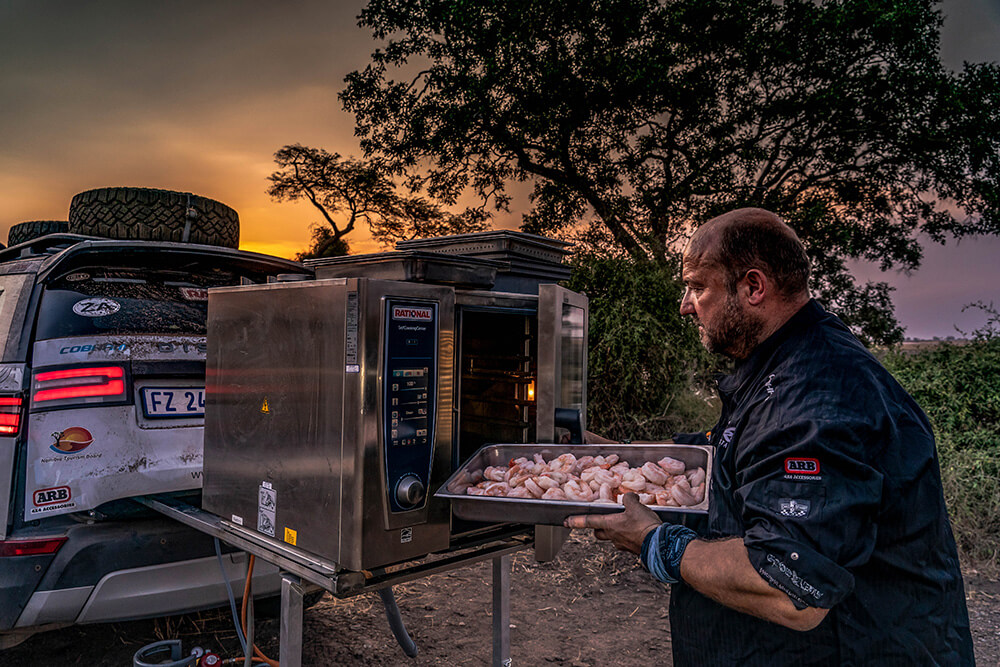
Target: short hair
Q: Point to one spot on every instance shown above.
(752, 238)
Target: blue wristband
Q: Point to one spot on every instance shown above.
(662, 550)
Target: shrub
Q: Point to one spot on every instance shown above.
(644, 357)
(958, 386)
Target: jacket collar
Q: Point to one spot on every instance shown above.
(745, 369)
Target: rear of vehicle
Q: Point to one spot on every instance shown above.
(101, 399)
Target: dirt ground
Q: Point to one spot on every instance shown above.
(585, 608)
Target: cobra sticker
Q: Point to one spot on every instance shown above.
(96, 307)
(72, 440)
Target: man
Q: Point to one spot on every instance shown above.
(827, 539)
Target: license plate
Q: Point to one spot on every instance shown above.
(165, 402)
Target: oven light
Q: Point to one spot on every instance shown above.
(531, 391)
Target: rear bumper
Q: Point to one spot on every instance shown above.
(122, 570)
(146, 592)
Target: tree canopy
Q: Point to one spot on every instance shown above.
(636, 120)
(360, 191)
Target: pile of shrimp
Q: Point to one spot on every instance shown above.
(597, 479)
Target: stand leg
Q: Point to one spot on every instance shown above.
(501, 611)
(290, 648)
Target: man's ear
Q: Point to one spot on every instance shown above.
(756, 286)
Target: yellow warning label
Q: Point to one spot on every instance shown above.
(290, 536)
(264, 407)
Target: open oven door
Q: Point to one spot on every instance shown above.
(563, 319)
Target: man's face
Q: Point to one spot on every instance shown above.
(726, 324)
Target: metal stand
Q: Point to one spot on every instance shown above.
(290, 639)
(501, 611)
(298, 567)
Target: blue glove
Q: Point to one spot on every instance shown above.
(662, 550)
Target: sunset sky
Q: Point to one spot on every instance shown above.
(196, 95)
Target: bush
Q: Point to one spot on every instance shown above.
(958, 386)
(644, 357)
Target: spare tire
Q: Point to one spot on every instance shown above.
(25, 231)
(154, 215)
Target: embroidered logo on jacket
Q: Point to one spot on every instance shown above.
(799, 466)
(769, 387)
(727, 436)
(794, 508)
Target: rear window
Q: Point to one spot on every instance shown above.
(101, 301)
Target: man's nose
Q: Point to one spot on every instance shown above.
(687, 306)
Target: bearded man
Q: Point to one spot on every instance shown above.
(827, 540)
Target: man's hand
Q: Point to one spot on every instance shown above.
(626, 530)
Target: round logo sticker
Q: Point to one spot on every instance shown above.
(72, 440)
(96, 307)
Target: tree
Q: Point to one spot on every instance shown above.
(636, 119)
(364, 193)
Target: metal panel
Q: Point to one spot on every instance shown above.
(266, 450)
(295, 430)
(563, 320)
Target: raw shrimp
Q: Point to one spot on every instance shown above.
(554, 494)
(576, 491)
(633, 480)
(600, 479)
(654, 473)
(497, 489)
(560, 477)
(495, 473)
(546, 482)
(681, 492)
(563, 462)
(533, 488)
(519, 492)
(695, 477)
(672, 466)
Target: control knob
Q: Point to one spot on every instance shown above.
(409, 491)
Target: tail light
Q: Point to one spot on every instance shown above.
(70, 386)
(38, 547)
(10, 415)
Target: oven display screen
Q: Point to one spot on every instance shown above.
(409, 406)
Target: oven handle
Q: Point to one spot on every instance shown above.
(570, 419)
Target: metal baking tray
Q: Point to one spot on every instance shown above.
(552, 512)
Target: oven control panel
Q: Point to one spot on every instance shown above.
(408, 400)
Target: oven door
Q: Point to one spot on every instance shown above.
(562, 384)
(562, 364)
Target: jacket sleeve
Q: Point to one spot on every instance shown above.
(809, 506)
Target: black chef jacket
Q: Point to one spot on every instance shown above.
(827, 469)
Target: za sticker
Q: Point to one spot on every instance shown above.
(96, 307)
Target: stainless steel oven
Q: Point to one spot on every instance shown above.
(337, 406)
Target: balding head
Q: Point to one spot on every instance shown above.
(752, 238)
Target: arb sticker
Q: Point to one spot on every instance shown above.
(800, 466)
(57, 494)
(72, 440)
